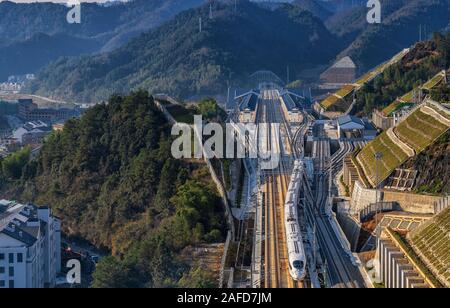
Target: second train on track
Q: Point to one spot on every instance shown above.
(296, 251)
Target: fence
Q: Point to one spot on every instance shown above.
(441, 205)
(217, 181)
(212, 171)
(375, 208)
(224, 259)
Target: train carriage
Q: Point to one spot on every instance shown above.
(296, 252)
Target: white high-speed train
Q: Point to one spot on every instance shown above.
(296, 251)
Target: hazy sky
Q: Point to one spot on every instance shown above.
(58, 1)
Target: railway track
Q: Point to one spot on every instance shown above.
(340, 271)
(277, 182)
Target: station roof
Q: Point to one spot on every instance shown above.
(248, 102)
(350, 120)
(290, 103)
(292, 100)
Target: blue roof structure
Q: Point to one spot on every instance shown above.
(249, 102)
(350, 119)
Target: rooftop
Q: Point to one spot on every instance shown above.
(350, 119)
(345, 62)
(20, 221)
(249, 101)
(35, 125)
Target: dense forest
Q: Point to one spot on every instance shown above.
(111, 179)
(441, 94)
(403, 23)
(434, 168)
(41, 30)
(105, 28)
(177, 58)
(111, 24)
(423, 62)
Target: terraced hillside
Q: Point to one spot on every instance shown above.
(405, 100)
(338, 99)
(418, 131)
(392, 157)
(408, 98)
(432, 243)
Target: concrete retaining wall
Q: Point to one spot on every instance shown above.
(351, 228)
(421, 204)
(405, 148)
(408, 202)
(362, 198)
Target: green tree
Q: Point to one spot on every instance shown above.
(113, 273)
(13, 164)
(197, 277)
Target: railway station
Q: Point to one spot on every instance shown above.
(248, 105)
(304, 216)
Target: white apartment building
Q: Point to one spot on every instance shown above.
(30, 246)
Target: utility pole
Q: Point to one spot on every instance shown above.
(228, 94)
(420, 33)
(287, 73)
(200, 25)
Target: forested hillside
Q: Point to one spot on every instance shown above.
(102, 27)
(434, 168)
(34, 53)
(402, 22)
(111, 178)
(317, 8)
(424, 61)
(179, 59)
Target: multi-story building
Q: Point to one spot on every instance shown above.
(30, 246)
(32, 133)
(26, 106)
(5, 130)
(342, 72)
(29, 111)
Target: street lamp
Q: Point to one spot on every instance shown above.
(378, 157)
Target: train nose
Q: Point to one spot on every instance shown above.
(299, 275)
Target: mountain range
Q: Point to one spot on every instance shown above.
(41, 26)
(404, 22)
(179, 59)
(156, 45)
